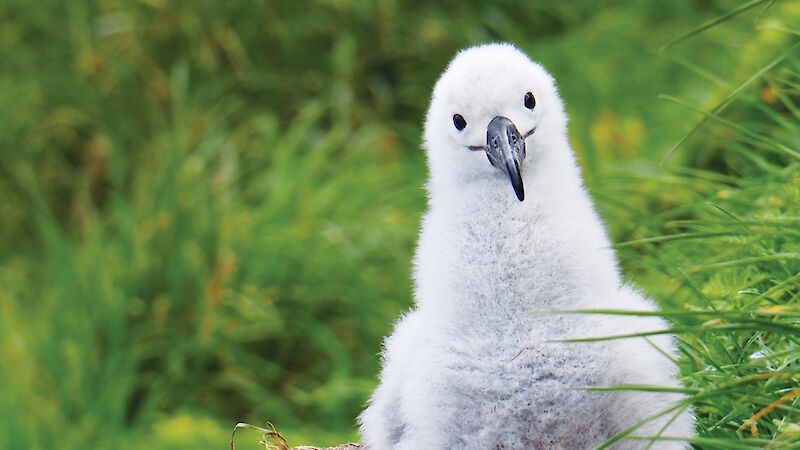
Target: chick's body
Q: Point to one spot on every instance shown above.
(474, 365)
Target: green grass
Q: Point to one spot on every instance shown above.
(720, 252)
(209, 209)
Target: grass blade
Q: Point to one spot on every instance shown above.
(713, 22)
(728, 98)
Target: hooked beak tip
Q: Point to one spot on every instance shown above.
(520, 193)
(516, 181)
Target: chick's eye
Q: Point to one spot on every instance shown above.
(459, 122)
(530, 100)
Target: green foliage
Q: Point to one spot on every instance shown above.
(723, 254)
(209, 208)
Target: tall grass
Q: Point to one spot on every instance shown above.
(719, 249)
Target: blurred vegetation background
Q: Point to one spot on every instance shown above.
(209, 208)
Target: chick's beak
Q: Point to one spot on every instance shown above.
(505, 148)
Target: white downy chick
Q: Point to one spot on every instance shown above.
(474, 365)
